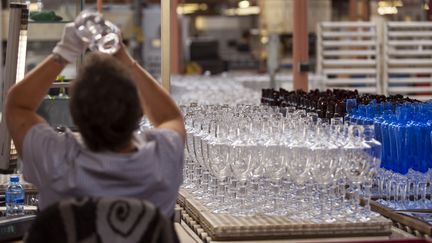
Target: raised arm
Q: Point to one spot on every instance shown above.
(24, 98)
(157, 104)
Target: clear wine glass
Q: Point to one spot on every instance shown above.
(324, 162)
(356, 162)
(298, 163)
(219, 167)
(274, 168)
(241, 164)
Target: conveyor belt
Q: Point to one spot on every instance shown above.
(14, 228)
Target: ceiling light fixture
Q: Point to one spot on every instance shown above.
(190, 8)
(244, 4)
(389, 7)
(387, 10)
(254, 10)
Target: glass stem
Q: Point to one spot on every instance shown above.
(416, 191)
(389, 190)
(332, 196)
(276, 189)
(307, 199)
(367, 196)
(381, 189)
(205, 180)
(222, 192)
(214, 186)
(423, 192)
(342, 192)
(356, 197)
(197, 176)
(301, 194)
(242, 194)
(232, 190)
(404, 195)
(255, 192)
(266, 193)
(323, 201)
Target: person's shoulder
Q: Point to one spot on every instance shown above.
(45, 152)
(159, 133)
(44, 132)
(41, 128)
(163, 146)
(162, 140)
(40, 132)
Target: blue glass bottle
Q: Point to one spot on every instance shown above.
(393, 156)
(400, 134)
(385, 137)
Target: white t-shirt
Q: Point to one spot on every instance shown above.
(61, 166)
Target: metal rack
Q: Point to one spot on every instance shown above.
(407, 68)
(15, 69)
(348, 56)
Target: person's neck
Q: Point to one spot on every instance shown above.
(127, 149)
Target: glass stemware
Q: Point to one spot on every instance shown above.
(247, 160)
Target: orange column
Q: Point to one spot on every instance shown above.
(365, 12)
(353, 14)
(429, 12)
(175, 39)
(99, 6)
(300, 44)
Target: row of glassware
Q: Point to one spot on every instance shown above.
(248, 160)
(222, 89)
(405, 131)
(402, 125)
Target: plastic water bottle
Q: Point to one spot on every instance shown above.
(14, 197)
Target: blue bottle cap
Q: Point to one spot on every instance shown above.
(14, 179)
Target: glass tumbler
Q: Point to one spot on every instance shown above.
(100, 34)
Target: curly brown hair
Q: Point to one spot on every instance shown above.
(105, 104)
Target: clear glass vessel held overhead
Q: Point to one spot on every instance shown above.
(100, 34)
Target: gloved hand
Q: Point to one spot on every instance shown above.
(70, 46)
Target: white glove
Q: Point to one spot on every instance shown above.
(70, 46)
